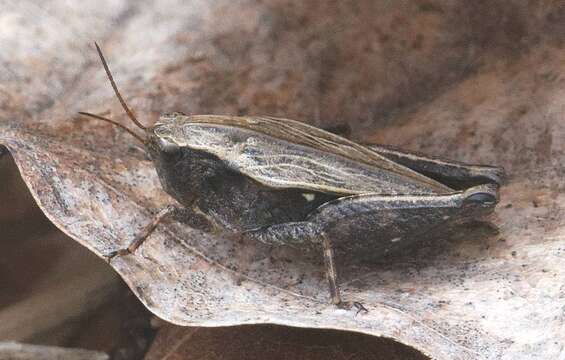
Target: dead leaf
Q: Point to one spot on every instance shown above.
(54, 291)
(19, 351)
(472, 81)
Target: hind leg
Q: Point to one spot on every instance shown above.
(456, 175)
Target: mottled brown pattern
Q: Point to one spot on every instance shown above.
(442, 77)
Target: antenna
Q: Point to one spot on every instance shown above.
(124, 105)
(98, 117)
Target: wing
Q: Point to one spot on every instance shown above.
(283, 153)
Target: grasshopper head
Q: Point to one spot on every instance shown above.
(161, 137)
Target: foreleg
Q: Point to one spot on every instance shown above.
(163, 214)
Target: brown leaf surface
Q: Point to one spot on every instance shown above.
(473, 81)
(19, 351)
(255, 342)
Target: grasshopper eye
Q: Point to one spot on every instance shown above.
(167, 146)
(165, 150)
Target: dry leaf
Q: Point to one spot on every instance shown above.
(478, 82)
(19, 351)
(55, 291)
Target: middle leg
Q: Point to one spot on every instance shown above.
(299, 234)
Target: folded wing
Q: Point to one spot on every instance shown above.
(284, 153)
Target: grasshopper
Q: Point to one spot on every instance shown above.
(282, 182)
